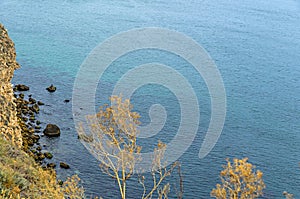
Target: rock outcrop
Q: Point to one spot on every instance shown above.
(9, 127)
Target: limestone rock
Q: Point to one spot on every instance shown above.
(9, 126)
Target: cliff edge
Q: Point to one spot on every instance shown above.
(9, 127)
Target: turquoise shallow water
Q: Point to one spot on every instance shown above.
(255, 45)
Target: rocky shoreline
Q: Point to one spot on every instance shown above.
(27, 110)
(18, 111)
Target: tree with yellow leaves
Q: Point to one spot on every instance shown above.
(239, 181)
(113, 141)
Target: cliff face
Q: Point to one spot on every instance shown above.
(9, 127)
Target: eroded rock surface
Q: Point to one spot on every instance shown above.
(9, 127)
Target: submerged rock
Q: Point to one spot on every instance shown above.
(51, 88)
(21, 87)
(32, 118)
(52, 130)
(37, 127)
(31, 100)
(48, 155)
(35, 108)
(64, 165)
(51, 165)
(40, 103)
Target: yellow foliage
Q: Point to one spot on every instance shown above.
(114, 130)
(239, 181)
(113, 141)
(21, 177)
(71, 188)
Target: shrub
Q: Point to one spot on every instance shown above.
(239, 181)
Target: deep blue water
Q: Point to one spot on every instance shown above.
(255, 45)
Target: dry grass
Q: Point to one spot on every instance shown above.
(21, 177)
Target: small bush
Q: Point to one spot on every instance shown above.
(239, 181)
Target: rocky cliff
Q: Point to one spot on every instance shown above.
(9, 127)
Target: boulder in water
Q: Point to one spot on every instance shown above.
(51, 88)
(21, 87)
(52, 130)
(64, 165)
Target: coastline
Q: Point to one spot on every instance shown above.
(19, 109)
(25, 172)
(255, 50)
